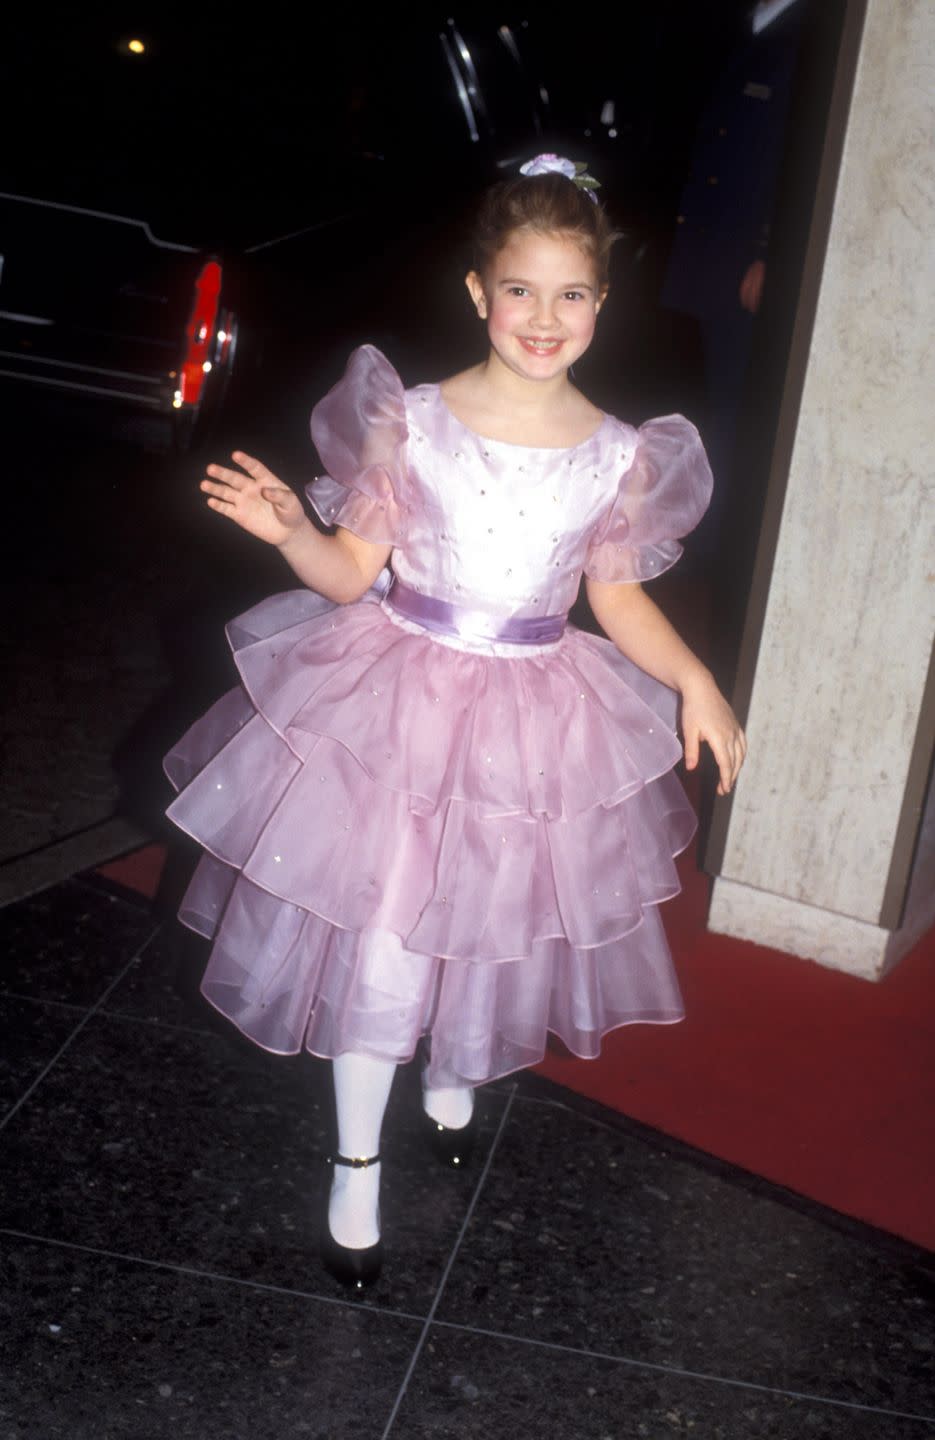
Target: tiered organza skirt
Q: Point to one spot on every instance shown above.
(405, 838)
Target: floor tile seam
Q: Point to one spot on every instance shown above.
(420, 1343)
(192, 1272)
(88, 1015)
(541, 1100)
(108, 1014)
(680, 1373)
(71, 1005)
(104, 1011)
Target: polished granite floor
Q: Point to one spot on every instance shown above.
(584, 1278)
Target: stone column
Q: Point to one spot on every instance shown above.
(815, 854)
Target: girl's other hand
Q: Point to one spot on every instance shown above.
(706, 715)
(751, 286)
(254, 498)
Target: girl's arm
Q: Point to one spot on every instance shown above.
(340, 566)
(640, 631)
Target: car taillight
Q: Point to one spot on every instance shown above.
(200, 336)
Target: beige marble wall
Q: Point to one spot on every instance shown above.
(851, 608)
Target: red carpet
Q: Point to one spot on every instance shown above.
(141, 870)
(810, 1078)
(814, 1079)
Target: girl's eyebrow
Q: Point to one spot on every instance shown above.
(573, 285)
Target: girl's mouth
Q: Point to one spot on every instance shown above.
(540, 347)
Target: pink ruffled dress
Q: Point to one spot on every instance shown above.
(424, 826)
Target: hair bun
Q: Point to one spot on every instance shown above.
(574, 170)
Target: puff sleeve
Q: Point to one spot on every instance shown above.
(661, 497)
(359, 430)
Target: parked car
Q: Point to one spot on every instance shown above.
(97, 304)
(148, 271)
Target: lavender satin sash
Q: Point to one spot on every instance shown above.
(443, 618)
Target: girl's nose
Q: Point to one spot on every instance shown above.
(544, 315)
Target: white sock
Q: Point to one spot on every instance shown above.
(354, 1206)
(361, 1090)
(450, 1105)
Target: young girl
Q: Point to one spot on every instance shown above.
(431, 811)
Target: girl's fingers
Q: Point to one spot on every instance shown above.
(726, 741)
(275, 495)
(741, 753)
(730, 765)
(737, 751)
(255, 468)
(722, 749)
(232, 478)
(225, 492)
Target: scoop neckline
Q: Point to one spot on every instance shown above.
(514, 444)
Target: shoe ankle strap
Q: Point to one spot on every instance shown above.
(356, 1162)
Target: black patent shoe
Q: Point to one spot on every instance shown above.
(452, 1147)
(357, 1269)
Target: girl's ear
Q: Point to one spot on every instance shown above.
(476, 291)
(600, 299)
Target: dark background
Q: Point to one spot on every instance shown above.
(340, 126)
(229, 125)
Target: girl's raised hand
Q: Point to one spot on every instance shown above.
(706, 715)
(254, 498)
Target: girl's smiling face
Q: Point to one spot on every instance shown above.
(540, 298)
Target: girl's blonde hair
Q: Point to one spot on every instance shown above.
(545, 204)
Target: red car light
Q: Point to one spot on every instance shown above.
(199, 333)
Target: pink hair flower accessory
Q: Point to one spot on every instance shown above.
(574, 170)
